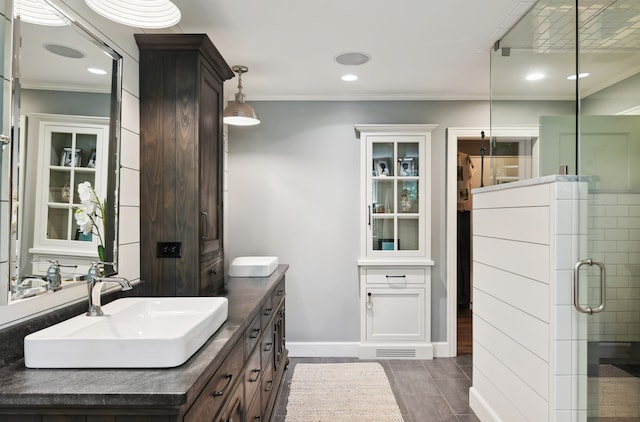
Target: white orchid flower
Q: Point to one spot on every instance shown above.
(86, 193)
(84, 221)
(90, 214)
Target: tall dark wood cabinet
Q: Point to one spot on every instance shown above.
(181, 100)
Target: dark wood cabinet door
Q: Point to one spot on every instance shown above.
(210, 156)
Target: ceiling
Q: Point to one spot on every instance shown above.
(419, 49)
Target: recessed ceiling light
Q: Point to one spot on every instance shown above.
(138, 13)
(96, 71)
(535, 76)
(64, 51)
(352, 58)
(349, 78)
(580, 76)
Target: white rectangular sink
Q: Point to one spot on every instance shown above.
(133, 333)
(253, 266)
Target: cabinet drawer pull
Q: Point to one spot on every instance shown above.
(254, 333)
(257, 372)
(205, 236)
(396, 276)
(228, 377)
(268, 311)
(268, 347)
(269, 386)
(280, 292)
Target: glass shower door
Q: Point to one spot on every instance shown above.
(608, 157)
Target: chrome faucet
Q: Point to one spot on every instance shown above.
(53, 278)
(94, 285)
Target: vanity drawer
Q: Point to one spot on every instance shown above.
(218, 388)
(396, 276)
(254, 411)
(266, 314)
(252, 376)
(277, 296)
(252, 335)
(267, 345)
(267, 385)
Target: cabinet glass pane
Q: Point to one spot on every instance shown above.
(61, 149)
(60, 189)
(408, 230)
(408, 159)
(383, 234)
(383, 196)
(382, 159)
(408, 199)
(58, 224)
(86, 143)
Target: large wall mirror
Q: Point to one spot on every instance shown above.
(65, 115)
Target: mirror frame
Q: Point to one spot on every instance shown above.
(77, 291)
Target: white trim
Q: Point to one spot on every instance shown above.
(451, 229)
(303, 349)
(442, 350)
(347, 349)
(481, 408)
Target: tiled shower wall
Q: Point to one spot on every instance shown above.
(614, 238)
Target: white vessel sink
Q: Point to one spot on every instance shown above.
(253, 266)
(133, 333)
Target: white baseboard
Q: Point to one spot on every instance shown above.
(323, 349)
(481, 408)
(302, 349)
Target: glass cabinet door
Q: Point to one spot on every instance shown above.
(396, 194)
(69, 155)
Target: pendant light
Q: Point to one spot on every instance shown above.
(138, 13)
(239, 113)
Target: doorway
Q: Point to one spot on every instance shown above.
(514, 159)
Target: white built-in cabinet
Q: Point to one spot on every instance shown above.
(395, 261)
(71, 150)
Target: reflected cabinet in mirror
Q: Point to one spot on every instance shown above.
(62, 183)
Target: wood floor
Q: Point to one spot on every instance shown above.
(426, 390)
(464, 341)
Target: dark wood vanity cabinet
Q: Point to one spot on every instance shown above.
(181, 101)
(248, 393)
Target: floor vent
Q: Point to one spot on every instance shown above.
(395, 353)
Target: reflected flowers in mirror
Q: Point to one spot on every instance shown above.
(90, 215)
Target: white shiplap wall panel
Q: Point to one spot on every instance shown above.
(531, 369)
(533, 196)
(529, 295)
(530, 404)
(528, 260)
(524, 243)
(530, 332)
(488, 392)
(522, 224)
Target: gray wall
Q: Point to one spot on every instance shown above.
(294, 192)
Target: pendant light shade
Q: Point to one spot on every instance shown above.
(38, 12)
(138, 13)
(239, 113)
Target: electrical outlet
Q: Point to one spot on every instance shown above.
(169, 249)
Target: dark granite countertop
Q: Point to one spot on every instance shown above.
(168, 388)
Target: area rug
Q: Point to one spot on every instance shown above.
(341, 392)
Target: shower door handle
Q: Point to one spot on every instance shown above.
(576, 286)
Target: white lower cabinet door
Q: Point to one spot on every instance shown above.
(395, 314)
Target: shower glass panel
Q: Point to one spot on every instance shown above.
(576, 64)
